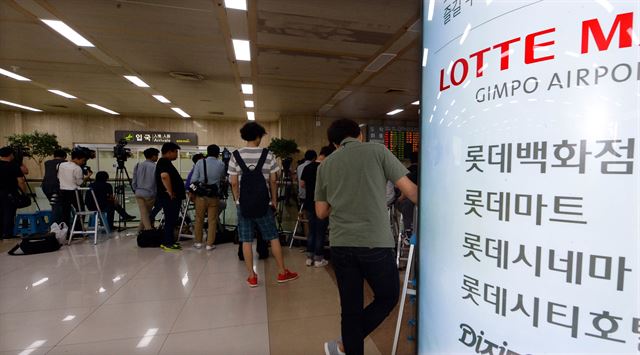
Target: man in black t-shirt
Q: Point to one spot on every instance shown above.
(317, 227)
(51, 184)
(171, 192)
(11, 179)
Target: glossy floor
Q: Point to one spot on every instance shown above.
(115, 298)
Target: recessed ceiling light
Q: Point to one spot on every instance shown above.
(13, 75)
(136, 81)
(98, 107)
(236, 4)
(248, 103)
(416, 103)
(180, 112)
(19, 106)
(162, 99)
(251, 116)
(247, 89)
(396, 111)
(242, 50)
(62, 93)
(68, 33)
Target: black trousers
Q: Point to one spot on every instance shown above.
(171, 208)
(378, 267)
(7, 215)
(68, 199)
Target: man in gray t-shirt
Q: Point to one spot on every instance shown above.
(350, 189)
(144, 186)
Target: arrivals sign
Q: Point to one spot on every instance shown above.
(530, 195)
(157, 138)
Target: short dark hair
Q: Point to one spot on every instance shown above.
(151, 152)
(60, 153)
(197, 157)
(6, 151)
(310, 154)
(326, 151)
(78, 154)
(213, 151)
(341, 129)
(169, 147)
(252, 131)
(102, 176)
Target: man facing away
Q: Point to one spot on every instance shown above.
(144, 186)
(170, 193)
(350, 189)
(251, 192)
(51, 185)
(208, 171)
(309, 157)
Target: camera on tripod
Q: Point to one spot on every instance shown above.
(120, 152)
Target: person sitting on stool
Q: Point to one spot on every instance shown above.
(106, 199)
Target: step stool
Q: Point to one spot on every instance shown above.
(27, 224)
(46, 217)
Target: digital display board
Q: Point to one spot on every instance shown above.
(529, 200)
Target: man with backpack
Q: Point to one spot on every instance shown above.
(253, 173)
(51, 184)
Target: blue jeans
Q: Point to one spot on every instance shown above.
(171, 208)
(378, 267)
(317, 232)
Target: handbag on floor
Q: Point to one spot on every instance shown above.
(151, 238)
(36, 244)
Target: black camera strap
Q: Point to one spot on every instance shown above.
(204, 164)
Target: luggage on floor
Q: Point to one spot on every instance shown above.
(151, 238)
(36, 244)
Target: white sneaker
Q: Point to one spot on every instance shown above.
(210, 247)
(309, 262)
(197, 245)
(320, 263)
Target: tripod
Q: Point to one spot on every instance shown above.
(284, 194)
(31, 193)
(121, 174)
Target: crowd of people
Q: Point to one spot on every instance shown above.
(341, 187)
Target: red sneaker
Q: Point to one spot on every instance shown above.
(287, 276)
(253, 281)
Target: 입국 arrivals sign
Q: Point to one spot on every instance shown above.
(530, 195)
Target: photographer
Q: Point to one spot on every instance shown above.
(11, 179)
(170, 192)
(207, 174)
(50, 184)
(71, 177)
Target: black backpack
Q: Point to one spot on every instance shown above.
(36, 244)
(254, 195)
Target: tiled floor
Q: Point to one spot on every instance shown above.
(115, 298)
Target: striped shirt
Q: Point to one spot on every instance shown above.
(251, 156)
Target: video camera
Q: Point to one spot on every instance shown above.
(120, 152)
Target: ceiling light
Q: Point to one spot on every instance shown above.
(248, 103)
(236, 4)
(98, 107)
(247, 89)
(251, 116)
(180, 112)
(162, 99)
(62, 93)
(242, 50)
(136, 81)
(68, 33)
(391, 113)
(19, 106)
(416, 103)
(13, 75)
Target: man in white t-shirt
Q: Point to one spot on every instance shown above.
(250, 158)
(71, 178)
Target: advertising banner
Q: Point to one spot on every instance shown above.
(530, 194)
